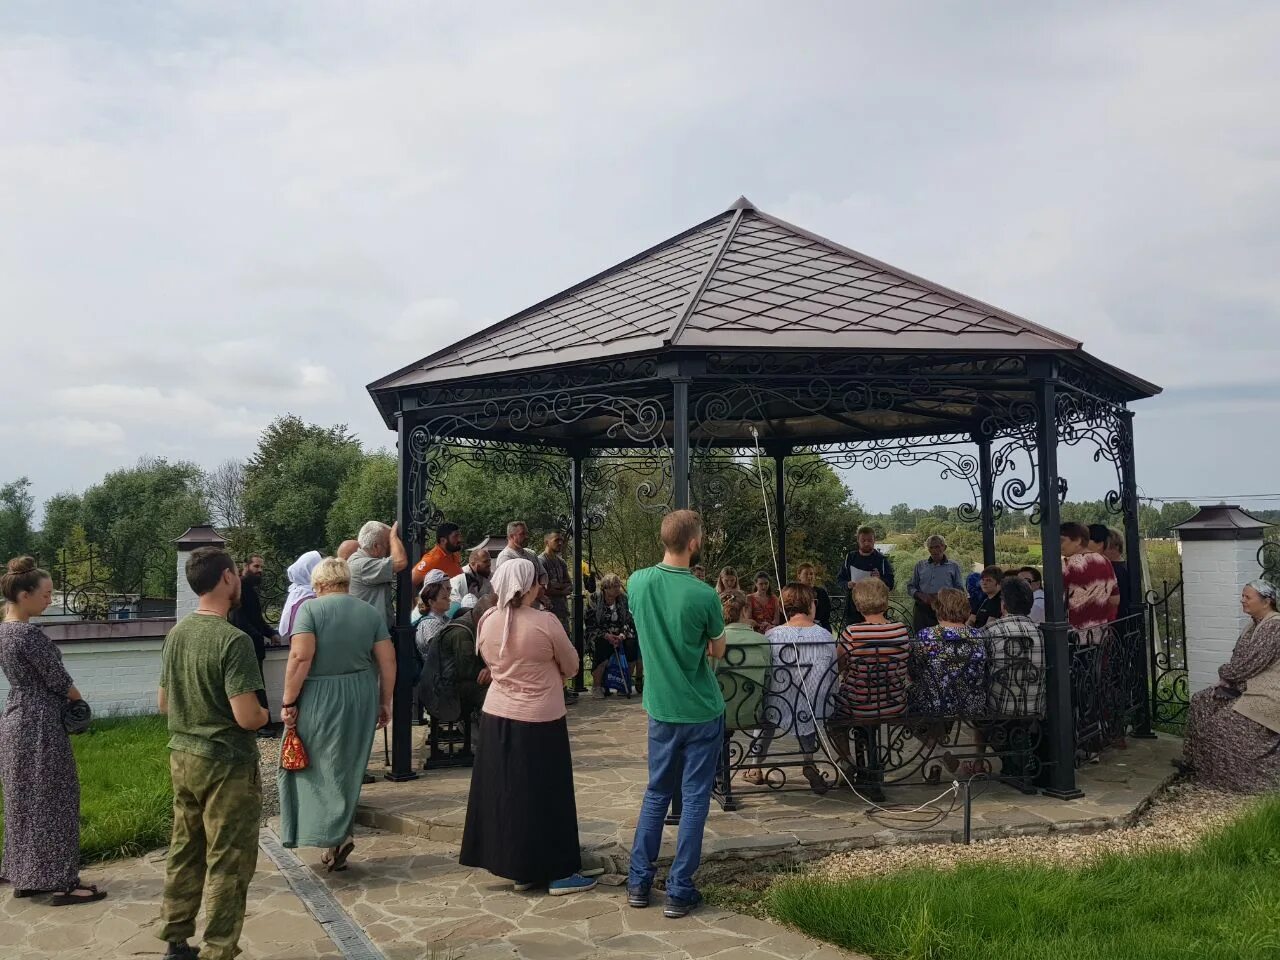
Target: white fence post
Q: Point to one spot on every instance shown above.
(1219, 548)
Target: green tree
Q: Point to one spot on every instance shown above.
(134, 515)
(17, 508)
(901, 518)
(292, 481)
(62, 515)
(482, 502)
(368, 493)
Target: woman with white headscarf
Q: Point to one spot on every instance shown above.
(300, 591)
(522, 819)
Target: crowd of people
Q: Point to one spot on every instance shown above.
(493, 642)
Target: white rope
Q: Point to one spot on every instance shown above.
(827, 748)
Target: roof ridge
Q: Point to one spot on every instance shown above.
(739, 210)
(546, 301)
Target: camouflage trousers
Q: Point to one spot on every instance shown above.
(217, 805)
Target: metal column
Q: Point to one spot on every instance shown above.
(1059, 778)
(780, 511)
(578, 514)
(1144, 692)
(680, 442)
(402, 703)
(987, 506)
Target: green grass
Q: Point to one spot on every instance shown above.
(1220, 900)
(126, 800)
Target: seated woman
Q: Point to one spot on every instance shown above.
(727, 582)
(610, 627)
(800, 681)
(1233, 728)
(948, 663)
(743, 673)
(765, 611)
(872, 659)
(522, 818)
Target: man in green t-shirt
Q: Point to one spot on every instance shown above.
(209, 683)
(680, 625)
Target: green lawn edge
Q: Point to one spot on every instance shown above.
(1220, 899)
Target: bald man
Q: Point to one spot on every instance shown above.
(347, 548)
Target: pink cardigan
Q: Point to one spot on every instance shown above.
(528, 678)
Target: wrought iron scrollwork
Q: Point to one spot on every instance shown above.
(1166, 625)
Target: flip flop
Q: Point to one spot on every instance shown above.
(340, 857)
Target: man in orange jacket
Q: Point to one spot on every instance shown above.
(443, 556)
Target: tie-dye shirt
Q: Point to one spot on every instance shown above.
(1090, 583)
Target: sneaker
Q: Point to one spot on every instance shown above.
(524, 887)
(597, 693)
(674, 908)
(638, 897)
(574, 884)
(181, 951)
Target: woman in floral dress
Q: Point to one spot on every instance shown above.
(1233, 728)
(37, 768)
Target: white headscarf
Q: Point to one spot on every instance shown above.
(299, 589)
(513, 579)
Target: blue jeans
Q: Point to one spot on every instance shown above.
(694, 749)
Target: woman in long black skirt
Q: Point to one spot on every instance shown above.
(522, 820)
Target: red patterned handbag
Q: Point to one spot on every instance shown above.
(293, 755)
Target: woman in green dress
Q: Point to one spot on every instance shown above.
(337, 692)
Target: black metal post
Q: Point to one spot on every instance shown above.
(1060, 770)
(680, 501)
(578, 625)
(680, 442)
(1144, 689)
(780, 511)
(987, 494)
(402, 703)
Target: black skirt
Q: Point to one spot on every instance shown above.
(522, 819)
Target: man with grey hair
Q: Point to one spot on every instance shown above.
(932, 575)
(374, 566)
(517, 537)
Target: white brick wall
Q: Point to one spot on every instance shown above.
(121, 676)
(187, 600)
(1214, 572)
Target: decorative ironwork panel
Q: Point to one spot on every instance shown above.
(88, 588)
(1166, 625)
(801, 716)
(1105, 689)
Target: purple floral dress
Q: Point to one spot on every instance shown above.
(948, 669)
(37, 768)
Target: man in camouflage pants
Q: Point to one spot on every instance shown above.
(209, 683)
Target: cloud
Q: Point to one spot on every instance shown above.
(214, 216)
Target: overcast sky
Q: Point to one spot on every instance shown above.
(213, 213)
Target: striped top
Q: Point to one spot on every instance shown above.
(873, 672)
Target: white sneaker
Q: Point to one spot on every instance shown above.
(597, 693)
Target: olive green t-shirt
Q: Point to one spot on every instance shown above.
(676, 614)
(206, 661)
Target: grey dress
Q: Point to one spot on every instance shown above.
(37, 768)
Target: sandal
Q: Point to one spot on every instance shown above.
(68, 897)
(341, 853)
(817, 783)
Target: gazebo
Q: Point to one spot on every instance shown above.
(746, 330)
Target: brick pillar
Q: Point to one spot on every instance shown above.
(194, 538)
(1219, 547)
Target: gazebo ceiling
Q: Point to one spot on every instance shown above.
(745, 282)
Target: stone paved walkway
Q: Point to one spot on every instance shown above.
(414, 902)
(608, 739)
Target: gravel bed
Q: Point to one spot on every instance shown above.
(1176, 819)
(269, 764)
